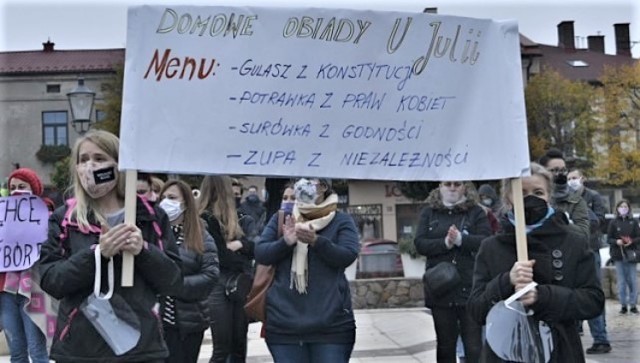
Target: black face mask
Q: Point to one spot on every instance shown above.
(560, 178)
(238, 201)
(535, 208)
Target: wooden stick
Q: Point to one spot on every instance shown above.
(518, 210)
(131, 178)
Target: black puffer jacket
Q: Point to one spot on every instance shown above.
(435, 220)
(67, 269)
(201, 272)
(568, 289)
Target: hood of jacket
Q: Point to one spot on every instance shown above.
(434, 200)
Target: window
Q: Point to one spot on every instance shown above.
(368, 219)
(100, 115)
(55, 128)
(53, 88)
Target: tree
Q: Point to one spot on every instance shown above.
(619, 163)
(112, 105)
(61, 176)
(560, 115)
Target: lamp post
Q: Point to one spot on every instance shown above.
(81, 102)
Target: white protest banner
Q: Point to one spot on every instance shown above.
(23, 229)
(322, 92)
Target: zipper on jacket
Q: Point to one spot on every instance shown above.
(67, 327)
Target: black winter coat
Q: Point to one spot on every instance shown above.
(567, 292)
(232, 262)
(200, 274)
(67, 270)
(622, 227)
(435, 220)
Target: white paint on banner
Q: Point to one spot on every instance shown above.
(322, 92)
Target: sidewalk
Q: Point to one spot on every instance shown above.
(407, 335)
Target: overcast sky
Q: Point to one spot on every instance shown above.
(87, 24)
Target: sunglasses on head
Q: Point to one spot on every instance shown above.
(452, 184)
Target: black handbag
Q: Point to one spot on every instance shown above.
(630, 255)
(237, 287)
(441, 278)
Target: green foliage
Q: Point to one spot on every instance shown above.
(406, 245)
(619, 163)
(60, 176)
(560, 114)
(52, 153)
(112, 105)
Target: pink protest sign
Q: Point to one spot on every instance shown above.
(23, 229)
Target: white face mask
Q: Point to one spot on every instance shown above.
(487, 202)
(172, 208)
(574, 184)
(450, 197)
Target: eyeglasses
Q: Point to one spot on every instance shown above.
(559, 170)
(452, 184)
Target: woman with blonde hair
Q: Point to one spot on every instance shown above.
(90, 230)
(229, 323)
(560, 262)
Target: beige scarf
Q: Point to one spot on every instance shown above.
(299, 262)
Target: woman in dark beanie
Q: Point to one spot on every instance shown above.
(24, 337)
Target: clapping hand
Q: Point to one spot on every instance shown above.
(289, 231)
(306, 235)
(452, 235)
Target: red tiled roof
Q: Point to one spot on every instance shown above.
(60, 61)
(558, 58)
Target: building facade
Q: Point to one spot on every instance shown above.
(34, 108)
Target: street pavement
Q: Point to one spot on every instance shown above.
(407, 335)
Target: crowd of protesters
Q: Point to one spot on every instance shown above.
(195, 248)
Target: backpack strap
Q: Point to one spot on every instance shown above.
(154, 222)
(280, 223)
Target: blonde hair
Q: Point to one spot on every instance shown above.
(216, 198)
(157, 184)
(110, 144)
(536, 169)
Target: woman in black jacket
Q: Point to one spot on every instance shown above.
(95, 218)
(623, 236)
(559, 261)
(451, 227)
(185, 316)
(229, 323)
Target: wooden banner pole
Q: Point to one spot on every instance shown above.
(518, 210)
(131, 178)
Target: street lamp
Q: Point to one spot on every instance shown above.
(81, 101)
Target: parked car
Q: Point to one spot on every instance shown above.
(379, 258)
